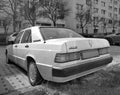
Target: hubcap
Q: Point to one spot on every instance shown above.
(32, 73)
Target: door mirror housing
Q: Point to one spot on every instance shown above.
(10, 42)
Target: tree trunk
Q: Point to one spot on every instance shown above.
(113, 30)
(14, 23)
(82, 29)
(33, 22)
(19, 25)
(54, 23)
(5, 29)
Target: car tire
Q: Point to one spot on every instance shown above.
(33, 74)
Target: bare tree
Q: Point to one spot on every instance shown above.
(11, 7)
(54, 10)
(104, 22)
(83, 17)
(30, 11)
(100, 20)
(114, 23)
(6, 24)
(96, 21)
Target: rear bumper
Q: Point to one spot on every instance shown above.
(66, 73)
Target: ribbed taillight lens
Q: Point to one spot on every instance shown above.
(103, 51)
(66, 57)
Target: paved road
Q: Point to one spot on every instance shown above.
(14, 79)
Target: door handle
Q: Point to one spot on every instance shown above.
(27, 46)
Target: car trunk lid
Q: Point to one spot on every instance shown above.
(80, 44)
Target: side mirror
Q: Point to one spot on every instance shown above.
(10, 42)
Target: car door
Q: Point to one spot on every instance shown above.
(15, 46)
(23, 48)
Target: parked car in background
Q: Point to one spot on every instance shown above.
(11, 37)
(113, 38)
(99, 35)
(57, 54)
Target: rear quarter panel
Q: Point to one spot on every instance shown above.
(44, 55)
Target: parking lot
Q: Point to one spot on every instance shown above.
(14, 79)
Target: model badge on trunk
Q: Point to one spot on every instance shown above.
(74, 47)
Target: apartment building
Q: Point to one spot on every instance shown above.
(109, 10)
(104, 14)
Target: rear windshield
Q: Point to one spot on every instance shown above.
(56, 33)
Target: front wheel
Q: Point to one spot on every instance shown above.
(33, 74)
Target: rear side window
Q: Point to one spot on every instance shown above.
(18, 37)
(26, 37)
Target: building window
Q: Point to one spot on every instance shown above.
(96, 1)
(115, 16)
(115, 2)
(119, 10)
(103, 11)
(110, 14)
(79, 7)
(1, 23)
(110, 1)
(103, 3)
(102, 19)
(95, 19)
(110, 8)
(88, 2)
(110, 21)
(115, 9)
(95, 10)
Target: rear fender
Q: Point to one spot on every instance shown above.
(27, 63)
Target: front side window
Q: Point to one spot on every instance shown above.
(18, 37)
(26, 37)
(56, 33)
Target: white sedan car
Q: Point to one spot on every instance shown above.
(57, 54)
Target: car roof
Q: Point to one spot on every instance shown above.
(44, 27)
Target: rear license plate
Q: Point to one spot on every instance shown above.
(90, 54)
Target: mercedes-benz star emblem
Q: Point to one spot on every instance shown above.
(90, 43)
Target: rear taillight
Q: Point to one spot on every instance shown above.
(66, 57)
(103, 51)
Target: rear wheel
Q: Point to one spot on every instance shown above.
(33, 74)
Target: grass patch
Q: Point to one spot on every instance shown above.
(108, 79)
